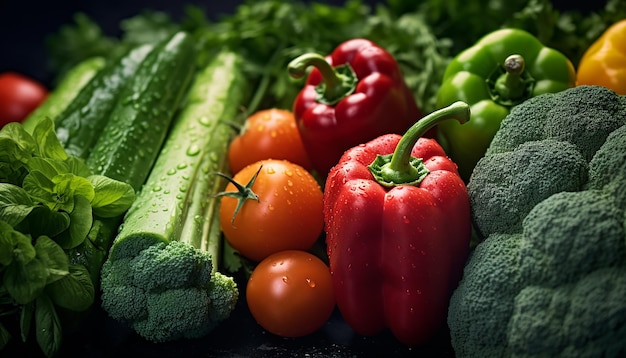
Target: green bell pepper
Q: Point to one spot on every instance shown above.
(503, 69)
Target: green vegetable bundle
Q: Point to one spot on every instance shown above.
(59, 212)
(161, 276)
(549, 197)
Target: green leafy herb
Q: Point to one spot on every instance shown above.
(48, 203)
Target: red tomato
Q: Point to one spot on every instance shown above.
(287, 215)
(268, 134)
(290, 293)
(19, 95)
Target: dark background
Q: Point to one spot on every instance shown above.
(24, 24)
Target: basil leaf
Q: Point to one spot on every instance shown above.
(69, 185)
(48, 145)
(80, 223)
(15, 141)
(48, 167)
(53, 257)
(40, 188)
(15, 204)
(25, 280)
(48, 328)
(26, 319)
(14, 246)
(77, 167)
(5, 336)
(112, 197)
(43, 221)
(75, 291)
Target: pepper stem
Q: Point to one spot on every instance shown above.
(400, 168)
(510, 83)
(337, 82)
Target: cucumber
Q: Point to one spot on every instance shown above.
(139, 122)
(81, 123)
(63, 94)
(173, 63)
(178, 202)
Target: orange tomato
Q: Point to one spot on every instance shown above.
(268, 134)
(280, 210)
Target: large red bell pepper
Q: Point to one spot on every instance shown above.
(398, 228)
(350, 97)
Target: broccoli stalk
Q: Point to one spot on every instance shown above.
(161, 276)
(549, 197)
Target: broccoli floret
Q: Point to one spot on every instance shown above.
(583, 116)
(609, 162)
(549, 278)
(480, 307)
(569, 235)
(504, 187)
(168, 291)
(116, 281)
(583, 319)
(173, 265)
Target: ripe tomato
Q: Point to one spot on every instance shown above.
(19, 95)
(268, 134)
(290, 293)
(287, 215)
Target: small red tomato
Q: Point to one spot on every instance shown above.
(19, 95)
(290, 293)
(268, 134)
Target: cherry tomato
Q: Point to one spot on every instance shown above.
(19, 95)
(290, 293)
(287, 215)
(268, 134)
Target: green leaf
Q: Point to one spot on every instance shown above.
(77, 167)
(43, 221)
(53, 257)
(15, 204)
(14, 246)
(48, 144)
(25, 280)
(112, 197)
(48, 328)
(75, 291)
(5, 336)
(69, 185)
(26, 319)
(14, 136)
(40, 187)
(47, 166)
(16, 148)
(81, 220)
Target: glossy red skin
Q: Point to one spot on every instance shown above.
(290, 293)
(381, 104)
(396, 254)
(19, 96)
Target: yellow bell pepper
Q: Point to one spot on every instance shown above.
(604, 62)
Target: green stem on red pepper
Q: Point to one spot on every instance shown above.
(401, 168)
(338, 82)
(511, 83)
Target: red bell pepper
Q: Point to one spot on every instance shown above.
(350, 97)
(398, 230)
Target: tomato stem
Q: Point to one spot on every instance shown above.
(242, 194)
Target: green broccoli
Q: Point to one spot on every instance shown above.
(549, 276)
(161, 276)
(147, 290)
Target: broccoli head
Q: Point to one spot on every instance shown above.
(549, 276)
(167, 291)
